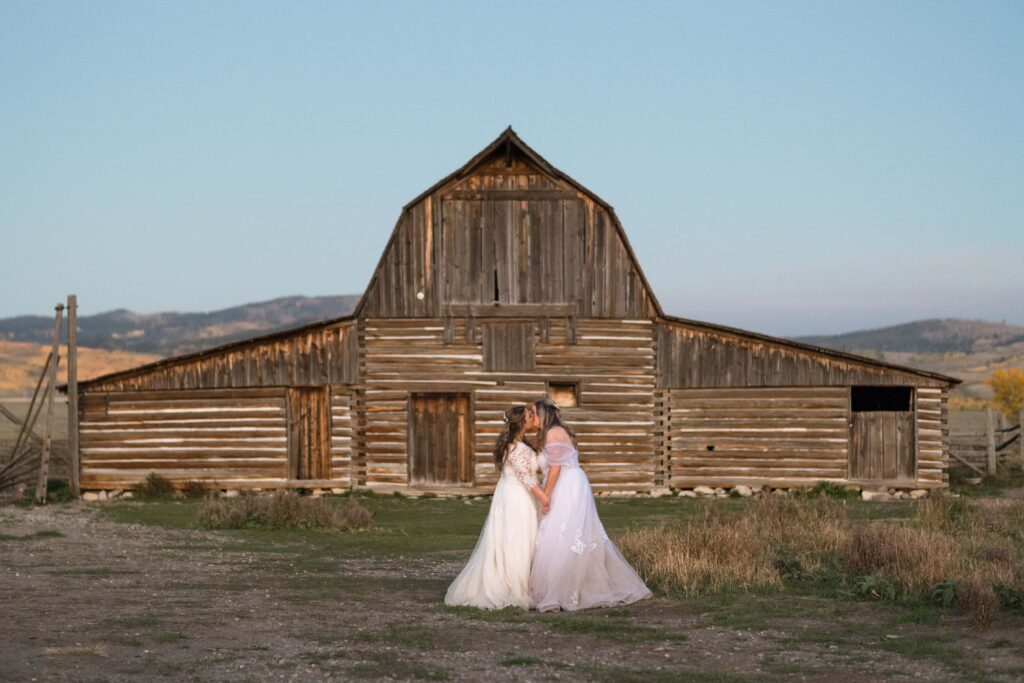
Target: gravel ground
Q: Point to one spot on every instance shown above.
(88, 599)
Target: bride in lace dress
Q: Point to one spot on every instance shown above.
(498, 572)
(576, 566)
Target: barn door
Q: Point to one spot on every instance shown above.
(309, 433)
(440, 439)
(882, 445)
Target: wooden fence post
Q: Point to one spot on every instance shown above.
(990, 434)
(73, 460)
(44, 457)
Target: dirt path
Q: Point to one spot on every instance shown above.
(88, 599)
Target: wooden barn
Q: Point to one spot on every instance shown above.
(506, 281)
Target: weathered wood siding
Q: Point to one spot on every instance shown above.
(932, 436)
(342, 429)
(789, 436)
(511, 235)
(782, 436)
(223, 436)
(692, 357)
(327, 355)
(613, 361)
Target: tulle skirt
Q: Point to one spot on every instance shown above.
(497, 574)
(576, 566)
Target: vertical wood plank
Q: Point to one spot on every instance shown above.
(44, 458)
(74, 459)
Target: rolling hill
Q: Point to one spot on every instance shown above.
(171, 334)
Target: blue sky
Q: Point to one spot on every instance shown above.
(790, 168)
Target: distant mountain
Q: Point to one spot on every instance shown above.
(946, 335)
(171, 334)
(970, 350)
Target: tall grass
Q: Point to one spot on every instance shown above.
(283, 510)
(975, 548)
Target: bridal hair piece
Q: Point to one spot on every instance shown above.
(515, 426)
(550, 415)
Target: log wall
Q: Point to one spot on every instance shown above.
(933, 436)
(226, 438)
(785, 436)
(778, 436)
(612, 360)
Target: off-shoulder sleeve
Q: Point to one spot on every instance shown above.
(559, 453)
(519, 458)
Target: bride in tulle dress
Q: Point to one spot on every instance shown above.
(576, 566)
(498, 572)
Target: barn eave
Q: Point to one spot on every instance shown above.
(809, 348)
(205, 353)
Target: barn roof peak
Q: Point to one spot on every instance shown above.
(509, 142)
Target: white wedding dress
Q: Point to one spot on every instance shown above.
(498, 572)
(576, 566)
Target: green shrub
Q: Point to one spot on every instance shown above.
(154, 487)
(194, 488)
(874, 588)
(828, 489)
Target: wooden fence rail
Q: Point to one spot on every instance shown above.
(986, 451)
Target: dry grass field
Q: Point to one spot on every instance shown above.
(21, 363)
(127, 590)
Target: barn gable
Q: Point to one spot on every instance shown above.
(509, 229)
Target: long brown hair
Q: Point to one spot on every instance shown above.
(550, 415)
(515, 426)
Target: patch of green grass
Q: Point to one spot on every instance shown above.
(45, 533)
(407, 635)
(991, 485)
(520, 661)
(940, 647)
(90, 572)
(620, 674)
(169, 637)
(379, 665)
(508, 614)
(615, 629)
(174, 514)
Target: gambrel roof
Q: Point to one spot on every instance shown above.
(508, 143)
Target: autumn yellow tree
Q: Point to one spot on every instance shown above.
(1007, 391)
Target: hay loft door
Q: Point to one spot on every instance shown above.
(440, 439)
(882, 444)
(309, 433)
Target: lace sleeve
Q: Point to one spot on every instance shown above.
(519, 458)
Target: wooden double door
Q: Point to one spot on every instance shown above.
(309, 433)
(440, 439)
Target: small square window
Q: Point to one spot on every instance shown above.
(564, 394)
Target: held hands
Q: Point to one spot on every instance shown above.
(545, 503)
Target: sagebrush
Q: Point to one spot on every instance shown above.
(283, 510)
(974, 552)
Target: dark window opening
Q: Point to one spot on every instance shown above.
(497, 294)
(564, 394)
(884, 399)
